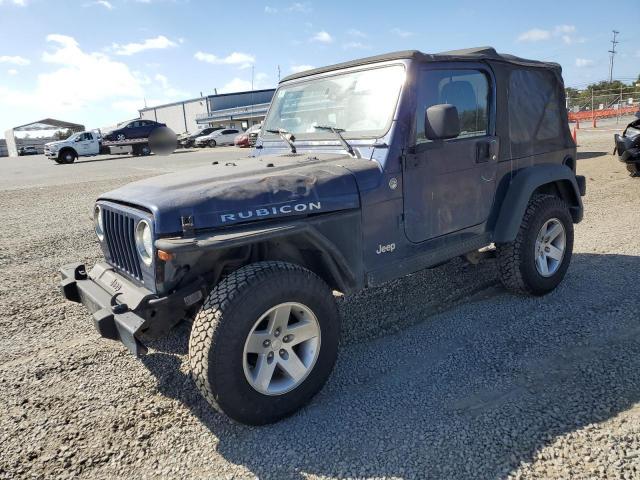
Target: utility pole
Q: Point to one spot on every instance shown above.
(251, 117)
(613, 52)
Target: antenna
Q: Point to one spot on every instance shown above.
(278, 73)
(613, 52)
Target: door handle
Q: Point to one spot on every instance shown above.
(487, 151)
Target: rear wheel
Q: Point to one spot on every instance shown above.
(260, 357)
(537, 260)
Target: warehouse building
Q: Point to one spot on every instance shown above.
(233, 110)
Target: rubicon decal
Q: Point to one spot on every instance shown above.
(270, 211)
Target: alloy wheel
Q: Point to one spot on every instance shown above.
(281, 348)
(550, 247)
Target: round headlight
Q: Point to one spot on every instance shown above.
(144, 242)
(97, 218)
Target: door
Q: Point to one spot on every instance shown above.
(449, 184)
(84, 144)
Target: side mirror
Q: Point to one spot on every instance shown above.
(441, 122)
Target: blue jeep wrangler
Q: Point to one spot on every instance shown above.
(364, 172)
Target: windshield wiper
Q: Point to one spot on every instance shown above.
(338, 133)
(286, 136)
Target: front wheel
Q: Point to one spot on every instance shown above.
(67, 156)
(537, 260)
(212, 143)
(264, 342)
(633, 169)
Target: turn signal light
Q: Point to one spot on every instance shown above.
(165, 256)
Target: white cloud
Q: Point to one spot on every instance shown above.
(583, 62)
(402, 33)
(244, 60)
(300, 7)
(356, 33)
(81, 79)
(565, 32)
(12, 71)
(300, 68)
(564, 29)
(322, 37)
(19, 3)
(14, 60)
(534, 35)
(268, 9)
(89, 86)
(236, 85)
(104, 3)
(355, 45)
(158, 43)
(167, 89)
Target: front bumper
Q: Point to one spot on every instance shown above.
(627, 149)
(124, 311)
(112, 319)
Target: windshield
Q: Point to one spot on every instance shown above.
(360, 103)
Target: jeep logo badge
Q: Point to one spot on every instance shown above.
(116, 285)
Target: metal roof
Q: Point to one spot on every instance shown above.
(477, 54)
(48, 124)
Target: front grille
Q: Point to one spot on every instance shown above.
(119, 232)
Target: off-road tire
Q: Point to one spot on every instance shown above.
(633, 169)
(516, 259)
(221, 327)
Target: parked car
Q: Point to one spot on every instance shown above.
(133, 129)
(248, 138)
(27, 150)
(219, 137)
(400, 162)
(241, 140)
(189, 141)
(627, 146)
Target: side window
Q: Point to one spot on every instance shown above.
(467, 90)
(534, 112)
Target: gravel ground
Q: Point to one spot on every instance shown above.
(441, 375)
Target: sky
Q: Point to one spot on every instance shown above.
(96, 62)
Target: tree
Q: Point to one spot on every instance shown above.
(62, 134)
(602, 93)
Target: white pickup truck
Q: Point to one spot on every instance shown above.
(90, 143)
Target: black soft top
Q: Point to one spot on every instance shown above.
(467, 54)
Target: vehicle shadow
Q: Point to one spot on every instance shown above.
(468, 393)
(588, 155)
(117, 157)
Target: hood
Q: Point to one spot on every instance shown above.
(57, 142)
(247, 189)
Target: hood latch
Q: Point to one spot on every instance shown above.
(187, 225)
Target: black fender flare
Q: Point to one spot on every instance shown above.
(523, 185)
(346, 272)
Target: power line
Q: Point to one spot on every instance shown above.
(614, 42)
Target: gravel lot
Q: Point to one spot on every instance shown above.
(441, 375)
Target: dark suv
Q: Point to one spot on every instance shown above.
(133, 129)
(365, 171)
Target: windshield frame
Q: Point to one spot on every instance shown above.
(323, 136)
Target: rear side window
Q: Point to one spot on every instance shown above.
(467, 90)
(535, 122)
